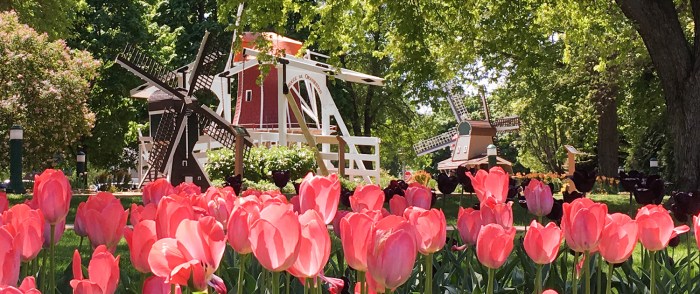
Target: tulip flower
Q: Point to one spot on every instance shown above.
(539, 198)
(192, 257)
(685, 204)
(493, 183)
(583, 180)
(649, 191)
(157, 285)
(447, 184)
(235, 182)
(52, 193)
(431, 234)
(583, 222)
(274, 237)
(295, 203)
(656, 227)
(280, 178)
(57, 233)
(104, 220)
(370, 197)
(355, 230)
(26, 226)
(493, 212)
(419, 196)
(140, 247)
(321, 194)
(398, 205)
(550, 291)
(140, 213)
(469, 225)
(336, 221)
(239, 223)
(4, 203)
(188, 189)
(542, 245)
(391, 252)
(171, 211)
(28, 286)
(103, 273)
(493, 246)
(696, 229)
(314, 246)
(154, 191)
(618, 241)
(9, 258)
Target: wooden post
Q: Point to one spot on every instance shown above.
(238, 160)
(571, 153)
(341, 156)
(307, 134)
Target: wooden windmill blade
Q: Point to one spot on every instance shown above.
(458, 108)
(435, 143)
(505, 125)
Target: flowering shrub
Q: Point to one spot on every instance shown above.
(260, 161)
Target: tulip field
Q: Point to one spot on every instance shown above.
(178, 239)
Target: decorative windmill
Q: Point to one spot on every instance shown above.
(177, 118)
(469, 137)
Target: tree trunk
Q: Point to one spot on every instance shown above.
(608, 139)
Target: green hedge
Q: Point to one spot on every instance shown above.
(260, 161)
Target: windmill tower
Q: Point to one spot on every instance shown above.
(468, 137)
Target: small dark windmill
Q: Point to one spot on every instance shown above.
(477, 133)
(182, 119)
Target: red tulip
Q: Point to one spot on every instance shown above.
(539, 198)
(4, 203)
(398, 205)
(494, 244)
(696, 227)
(493, 183)
(419, 196)
(192, 257)
(355, 230)
(104, 220)
(431, 228)
(656, 227)
(140, 213)
(103, 273)
(493, 212)
(583, 222)
(157, 285)
(9, 258)
(189, 189)
(619, 238)
(154, 191)
(370, 197)
(469, 224)
(321, 194)
(171, 211)
(542, 243)
(28, 286)
(26, 226)
(52, 194)
(274, 237)
(238, 225)
(314, 246)
(391, 252)
(140, 247)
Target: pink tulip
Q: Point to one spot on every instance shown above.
(493, 183)
(170, 213)
(59, 229)
(96, 202)
(619, 238)
(274, 237)
(469, 224)
(391, 252)
(9, 258)
(583, 222)
(355, 232)
(314, 246)
(550, 291)
(103, 273)
(105, 222)
(494, 244)
(656, 227)
(4, 203)
(419, 196)
(189, 189)
(295, 203)
(140, 247)
(157, 285)
(431, 228)
(371, 286)
(28, 286)
(79, 222)
(140, 213)
(539, 198)
(336, 221)
(696, 227)
(239, 223)
(398, 205)
(154, 191)
(542, 243)
(52, 194)
(192, 257)
(370, 197)
(321, 194)
(26, 225)
(493, 212)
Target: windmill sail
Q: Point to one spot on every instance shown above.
(435, 143)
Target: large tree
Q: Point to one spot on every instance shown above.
(675, 52)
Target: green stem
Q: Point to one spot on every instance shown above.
(275, 282)
(25, 268)
(42, 272)
(288, 283)
(387, 291)
(538, 280)
(652, 255)
(241, 273)
(690, 264)
(52, 261)
(429, 274)
(539, 220)
(599, 268)
(467, 273)
(172, 288)
(306, 285)
(574, 285)
(363, 283)
(587, 271)
(80, 245)
(489, 286)
(608, 288)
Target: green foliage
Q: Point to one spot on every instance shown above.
(260, 161)
(53, 17)
(44, 87)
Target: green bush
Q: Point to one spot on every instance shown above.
(260, 161)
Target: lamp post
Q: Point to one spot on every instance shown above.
(80, 169)
(16, 139)
(620, 170)
(491, 152)
(653, 166)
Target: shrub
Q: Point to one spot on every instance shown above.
(260, 161)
